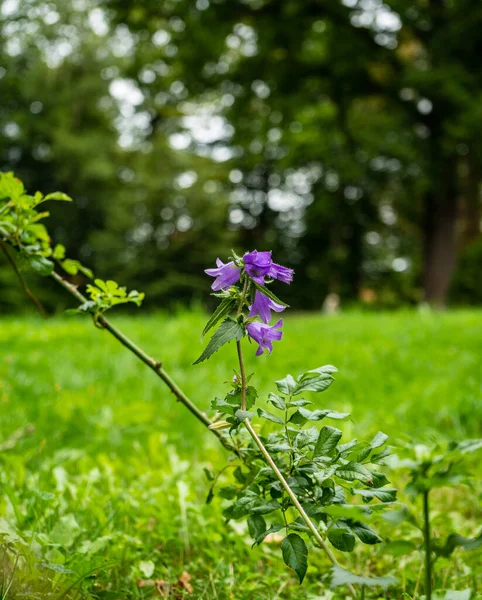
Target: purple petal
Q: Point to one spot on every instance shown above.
(281, 273)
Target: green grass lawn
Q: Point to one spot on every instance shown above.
(102, 485)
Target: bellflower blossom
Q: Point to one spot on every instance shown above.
(262, 307)
(265, 335)
(257, 265)
(281, 273)
(226, 275)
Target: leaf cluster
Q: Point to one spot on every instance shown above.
(340, 485)
(20, 227)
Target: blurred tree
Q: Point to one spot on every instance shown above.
(72, 119)
(345, 117)
(344, 135)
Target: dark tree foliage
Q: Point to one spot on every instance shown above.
(343, 135)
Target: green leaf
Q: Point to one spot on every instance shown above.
(342, 539)
(56, 196)
(295, 554)
(264, 414)
(303, 414)
(286, 385)
(300, 402)
(365, 534)
(327, 441)
(221, 311)
(378, 440)
(59, 252)
(65, 531)
(353, 471)
(316, 382)
(379, 479)
(267, 292)
(256, 526)
(41, 265)
(241, 415)
(251, 396)
(305, 437)
(341, 576)
(273, 529)
(384, 495)
(265, 507)
(277, 401)
(72, 267)
(228, 330)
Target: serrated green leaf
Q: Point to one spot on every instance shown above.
(251, 396)
(353, 471)
(221, 311)
(228, 330)
(277, 401)
(264, 414)
(327, 441)
(318, 382)
(295, 554)
(286, 385)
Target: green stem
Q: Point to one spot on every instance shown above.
(428, 551)
(21, 279)
(152, 363)
(243, 376)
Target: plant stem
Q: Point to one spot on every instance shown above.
(428, 551)
(243, 375)
(282, 480)
(152, 363)
(238, 347)
(21, 279)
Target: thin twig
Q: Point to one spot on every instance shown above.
(22, 280)
(152, 363)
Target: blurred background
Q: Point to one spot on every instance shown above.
(346, 136)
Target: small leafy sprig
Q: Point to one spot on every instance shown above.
(20, 227)
(310, 484)
(104, 295)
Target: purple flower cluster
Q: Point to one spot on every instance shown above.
(257, 265)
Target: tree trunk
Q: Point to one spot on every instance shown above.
(471, 209)
(440, 246)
